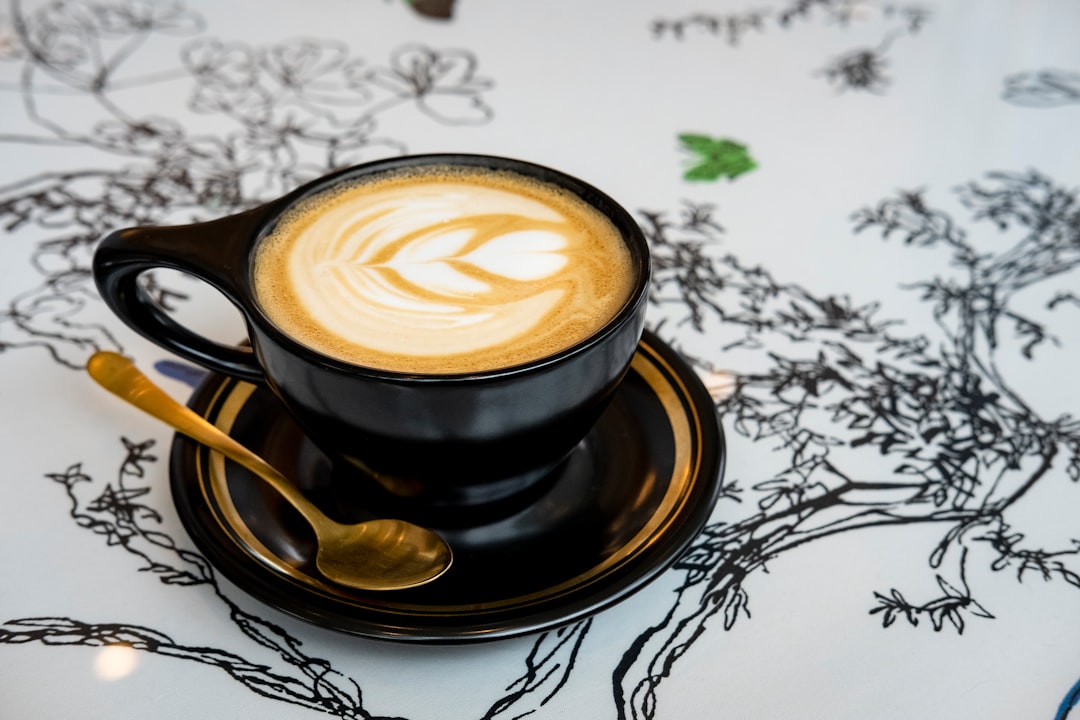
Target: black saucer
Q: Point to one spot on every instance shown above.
(623, 507)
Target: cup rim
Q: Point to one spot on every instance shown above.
(628, 229)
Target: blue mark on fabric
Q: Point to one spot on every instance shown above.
(188, 374)
(1072, 699)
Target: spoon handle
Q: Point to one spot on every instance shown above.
(118, 375)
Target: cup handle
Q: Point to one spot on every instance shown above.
(215, 252)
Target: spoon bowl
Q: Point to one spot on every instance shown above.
(382, 554)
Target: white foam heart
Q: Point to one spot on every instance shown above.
(523, 255)
(440, 277)
(434, 246)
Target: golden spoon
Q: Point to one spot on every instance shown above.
(372, 555)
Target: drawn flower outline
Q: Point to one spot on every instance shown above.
(443, 84)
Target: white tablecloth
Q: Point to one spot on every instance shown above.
(866, 225)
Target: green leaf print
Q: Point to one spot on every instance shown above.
(715, 158)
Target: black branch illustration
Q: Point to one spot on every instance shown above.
(290, 112)
(830, 384)
(860, 69)
(114, 511)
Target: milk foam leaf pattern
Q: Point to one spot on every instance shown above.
(455, 263)
(412, 271)
(428, 281)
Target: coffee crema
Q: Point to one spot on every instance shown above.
(442, 271)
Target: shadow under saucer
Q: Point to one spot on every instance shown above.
(619, 511)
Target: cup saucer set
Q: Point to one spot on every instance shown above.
(562, 485)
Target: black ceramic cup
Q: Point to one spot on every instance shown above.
(439, 439)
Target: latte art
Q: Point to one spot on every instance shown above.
(442, 271)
